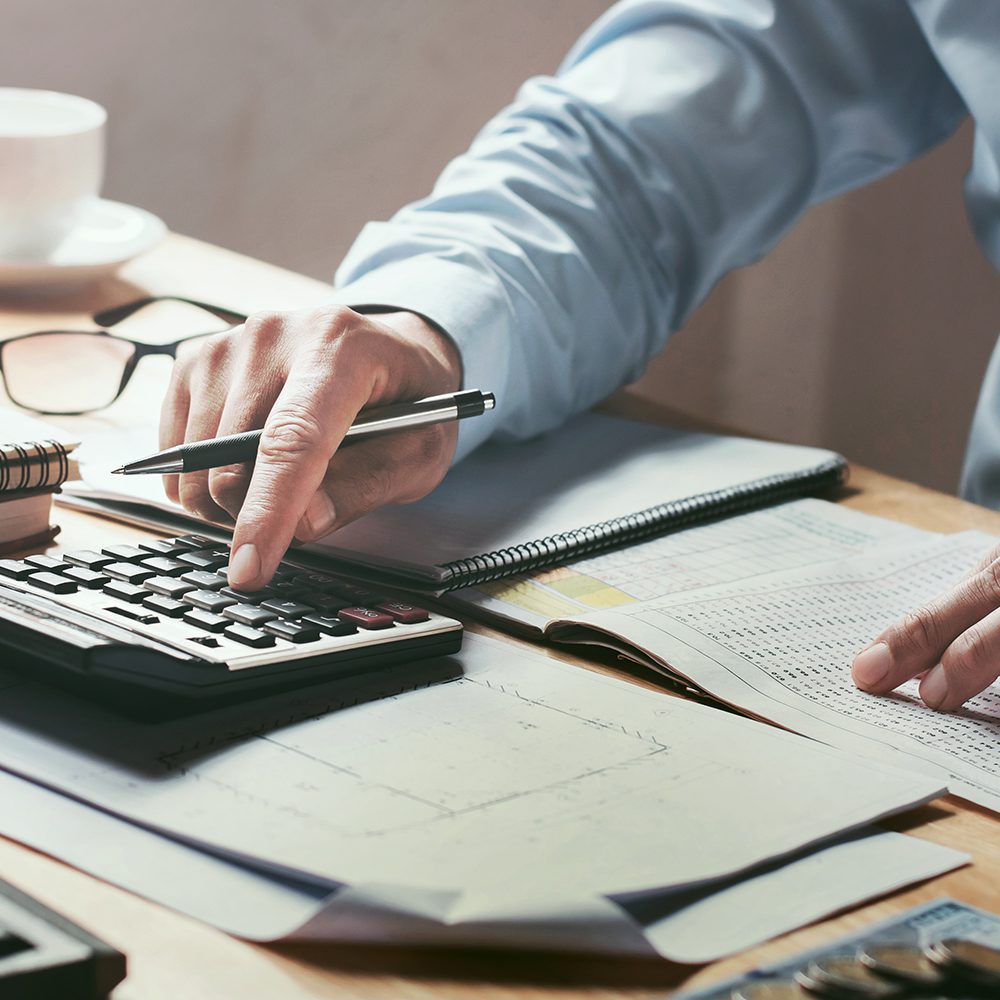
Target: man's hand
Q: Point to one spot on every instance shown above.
(303, 377)
(953, 642)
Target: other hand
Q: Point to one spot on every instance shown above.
(952, 643)
(303, 377)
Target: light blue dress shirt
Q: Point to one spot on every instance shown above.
(678, 140)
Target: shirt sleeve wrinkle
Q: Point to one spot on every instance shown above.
(679, 139)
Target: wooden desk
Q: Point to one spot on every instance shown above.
(174, 957)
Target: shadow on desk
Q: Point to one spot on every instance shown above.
(512, 968)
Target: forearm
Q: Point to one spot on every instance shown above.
(591, 216)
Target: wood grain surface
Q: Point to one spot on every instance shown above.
(171, 956)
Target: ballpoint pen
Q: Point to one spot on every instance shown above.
(216, 452)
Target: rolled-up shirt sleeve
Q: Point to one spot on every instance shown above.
(679, 139)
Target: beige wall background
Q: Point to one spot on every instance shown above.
(279, 129)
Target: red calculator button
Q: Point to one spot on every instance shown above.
(366, 617)
(408, 614)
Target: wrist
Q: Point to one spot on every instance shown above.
(432, 339)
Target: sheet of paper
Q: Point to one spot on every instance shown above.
(685, 927)
(799, 533)
(781, 646)
(524, 779)
(916, 928)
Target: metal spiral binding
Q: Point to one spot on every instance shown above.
(50, 458)
(640, 526)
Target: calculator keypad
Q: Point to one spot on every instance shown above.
(175, 590)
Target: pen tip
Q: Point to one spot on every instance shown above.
(120, 471)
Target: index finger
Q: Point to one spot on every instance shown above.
(918, 641)
(304, 428)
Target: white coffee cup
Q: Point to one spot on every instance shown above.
(51, 166)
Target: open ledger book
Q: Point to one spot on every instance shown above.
(765, 613)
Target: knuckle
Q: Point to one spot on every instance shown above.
(375, 486)
(213, 350)
(289, 436)
(228, 487)
(427, 467)
(991, 580)
(183, 366)
(263, 327)
(972, 654)
(333, 319)
(991, 557)
(917, 631)
(193, 496)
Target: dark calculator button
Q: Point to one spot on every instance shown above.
(330, 624)
(362, 596)
(203, 559)
(206, 620)
(191, 542)
(249, 636)
(47, 562)
(15, 569)
(134, 614)
(124, 553)
(249, 614)
(367, 617)
(209, 600)
(204, 579)
(88, 559)
(167, 606)
(168, 586)
(53, 583)
(314, 581)
(243, 596)
(86, 577)
(127, 592)
(408, 614)
(165, 566)
(287, 609)
(282, 589)
(162, 547)
(130, 572)
(328, 603)
(292, 631)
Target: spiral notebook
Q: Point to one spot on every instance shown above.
(34, 462)
(596, 483)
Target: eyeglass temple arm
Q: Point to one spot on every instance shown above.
(109, 317)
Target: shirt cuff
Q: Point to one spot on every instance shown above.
(466, 304)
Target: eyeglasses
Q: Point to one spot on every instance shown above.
(71, 372)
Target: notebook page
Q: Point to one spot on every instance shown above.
(780, 647)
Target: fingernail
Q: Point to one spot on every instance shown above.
(320, 517)
(244, 567)
(871, 665)
(934, 687)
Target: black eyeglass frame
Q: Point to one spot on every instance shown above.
(140, 349)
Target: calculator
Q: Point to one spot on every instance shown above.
(155, 630)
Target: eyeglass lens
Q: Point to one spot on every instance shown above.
(64, 372)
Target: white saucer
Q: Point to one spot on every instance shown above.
(108, 235)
